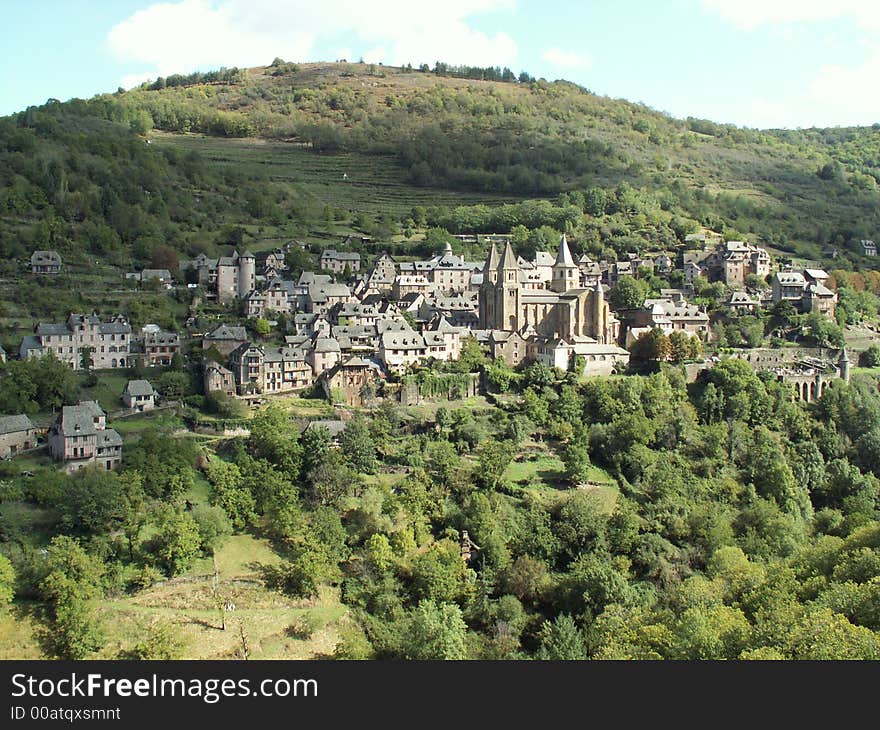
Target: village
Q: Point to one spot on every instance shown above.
(352, 330)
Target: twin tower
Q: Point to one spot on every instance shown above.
(518, 299)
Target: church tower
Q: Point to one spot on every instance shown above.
(487, 290)
(507, 292)
(599, 315)
(566, 275)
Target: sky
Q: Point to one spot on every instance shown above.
(753, 63)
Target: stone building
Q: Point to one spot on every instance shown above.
(160, 347)
(225, 339)
(225, 278)
(80, 437)
(336, 261)
(108, 343)
(355, 380)
(270, 369)
(139, 395)
(218, 379)
(45, 262)
(17, 434)
(510, 301)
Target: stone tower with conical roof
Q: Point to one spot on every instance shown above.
(566, 274)
(487, 289)
(843, 364)
(507, 291)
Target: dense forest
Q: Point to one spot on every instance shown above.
(737, 522)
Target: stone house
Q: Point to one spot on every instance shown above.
(509, 346)
(108, 343)
(17, 433)
(401, 350)
(160, 347)
(80, 437)
(270, 369)
(324, 354)
(225, 339)
(218, 379)
(139, 395)
(336, 261)
(45, 262)
(354, 379)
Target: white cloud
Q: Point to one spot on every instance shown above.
(182, 36)
(566, 59)
(129, 81)
(849, 93)
(751, 14)
(837, 95)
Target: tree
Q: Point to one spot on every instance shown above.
(679, 346)
(440, 574)
(91, 502)
(711, 632)
(159, 644)
(824, 635)
(224, 405)
(213, 526)
(595, 202)
(628, 293)
(576, 457)
(823, 331)
(229, 492)
(7, 581)
(652, 345)
(870, 358)
(71, 581)
(174, 384)
(436, 630)
(471, 358)
(261, 327)
(302, 575)
(164, 257)
(493, 458)
(331, 479)
(316, 442)
(272, 439)
(561, 639)
(358, 446)
(178, 541)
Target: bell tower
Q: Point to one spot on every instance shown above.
(565, 272)
(507, 297)
(487, 290)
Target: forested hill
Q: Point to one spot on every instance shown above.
(78, 174)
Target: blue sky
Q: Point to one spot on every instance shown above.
(756, 63)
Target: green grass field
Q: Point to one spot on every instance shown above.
(188, 606)
(343, 180)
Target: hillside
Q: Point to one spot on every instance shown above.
(291, 149)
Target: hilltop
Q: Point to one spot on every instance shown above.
(290, 149)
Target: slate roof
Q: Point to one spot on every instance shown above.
(45, 257)
(326, 344)
(47, 328)
(109, 437)
(79, 419)
(15, 424)
(227, 332)
(139, 387)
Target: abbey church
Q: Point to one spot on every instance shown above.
(515, 298)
